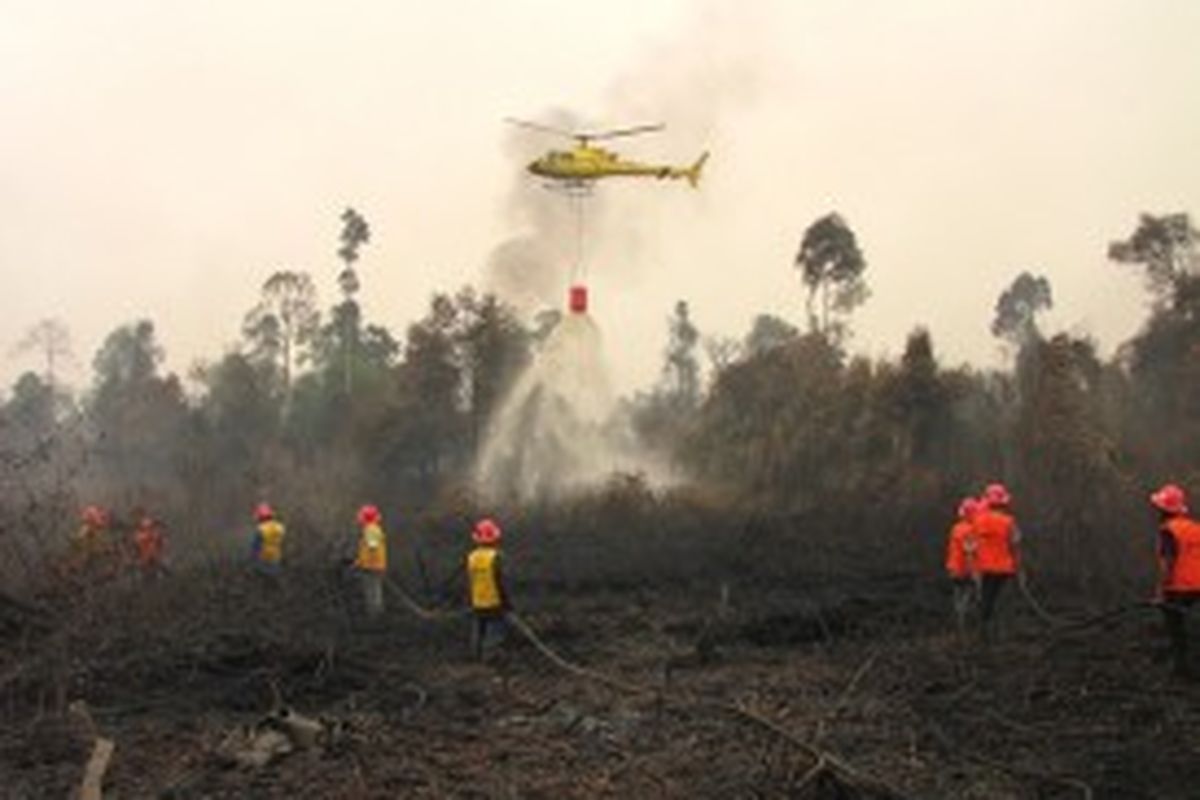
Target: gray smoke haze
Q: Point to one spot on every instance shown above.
(556, 433)
(530, 269)
(713, 66)
(168, 173)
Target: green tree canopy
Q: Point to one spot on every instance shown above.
(1018, 306)
(1164, 246)
(831, 266)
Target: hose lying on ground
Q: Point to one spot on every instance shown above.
(1063, 624)
(430, 614)
(823, 761)
(1042, 613)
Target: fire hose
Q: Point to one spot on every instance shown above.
(1050, 619)
(428, 614)
(1063, 624)
(822, 761)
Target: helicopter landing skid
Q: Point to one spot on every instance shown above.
(579, 188)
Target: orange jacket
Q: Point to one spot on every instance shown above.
(960, 550)
(994, 535)
(150, 544)
(1182, 573)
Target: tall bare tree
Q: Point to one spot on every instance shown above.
(50, 339)
(285, 319)
(355, 233)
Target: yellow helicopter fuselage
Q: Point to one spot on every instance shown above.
(586, 163)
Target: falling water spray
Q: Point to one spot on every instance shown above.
(556, 432)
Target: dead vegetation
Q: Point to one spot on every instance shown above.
(215, 684)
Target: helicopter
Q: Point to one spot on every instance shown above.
(584, 163)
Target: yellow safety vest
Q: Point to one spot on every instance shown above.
(90, 542)
(372, 549)
(481, 573)
(271, 541)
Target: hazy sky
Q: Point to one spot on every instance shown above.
(162, 158)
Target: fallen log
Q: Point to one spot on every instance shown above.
(93, 774)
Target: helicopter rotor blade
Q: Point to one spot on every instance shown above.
(634, 131)
(536, 126)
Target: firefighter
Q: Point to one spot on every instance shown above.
(266, 547)
(149, 548)
(1179, 562)
(371, 560)
(960, 560)
(997, 550)
(92, 554)
(489, 600)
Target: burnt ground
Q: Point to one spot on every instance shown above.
(836, 688)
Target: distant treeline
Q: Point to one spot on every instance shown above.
(319, 412)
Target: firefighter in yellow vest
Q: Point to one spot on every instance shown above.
(489, 600)
(93, 557)
(371, 560)
(266, 548)
(92, 553)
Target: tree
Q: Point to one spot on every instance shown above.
(920, 400)
(721, 351)
(767, 333)
(31, 407)
(347, 315)
(493, 348)
(770, 424)
(1018, 306)
(660, 417)
(1067, 468)
(285, 319)
(138, 417)
(1164, 246)
(1163, 361)
(235, 422)
(831, 265)
(50, 339)
(681, 370)
(129, 357)
(427, 430)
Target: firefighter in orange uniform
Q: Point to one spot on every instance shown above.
(997, 550)
(485, 581)
(1179, 561)
(960, 560)
(150, 545)
(371, 560)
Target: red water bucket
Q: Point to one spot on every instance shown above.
(577, 299)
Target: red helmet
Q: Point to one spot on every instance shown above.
(263, 512)
(93, 515)
(368, 515)
(1170, 499)
(969, 507)
(486, 531)
(996, 495)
